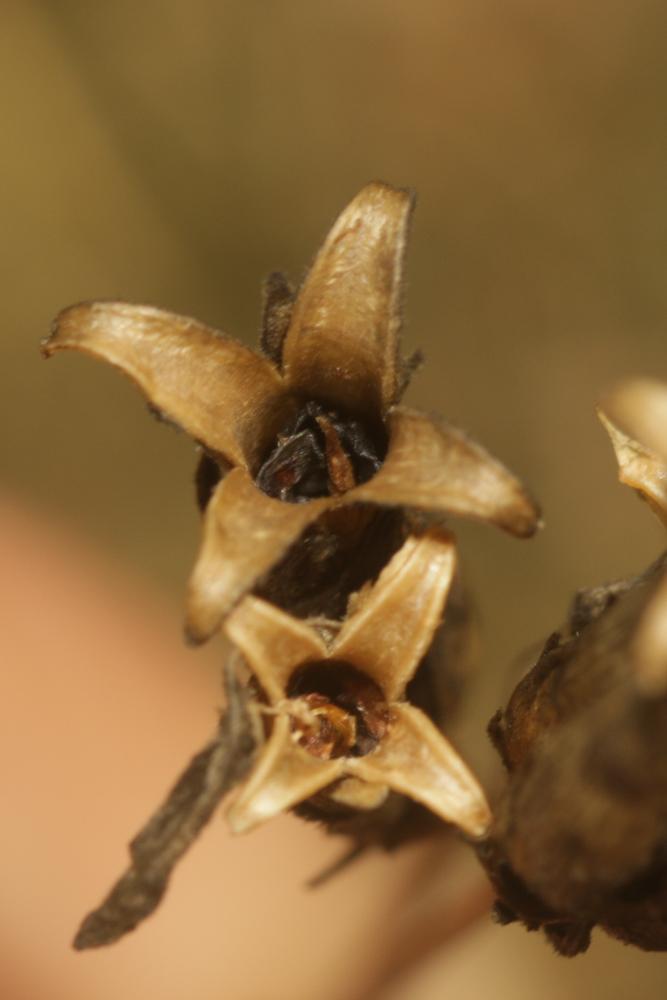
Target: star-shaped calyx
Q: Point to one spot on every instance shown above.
(333, 700)
(309, 428)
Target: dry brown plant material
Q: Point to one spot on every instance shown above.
(324, 555)
(341, 733)
(310, 428)
(581, 832)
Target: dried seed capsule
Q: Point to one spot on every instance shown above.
(312, 421)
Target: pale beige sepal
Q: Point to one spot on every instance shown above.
(639, 467)
(283, 776)
(433, 466)
(245, 533)
(389, 633)
(638, 406)
(342, 342)
(416, 760)
(273, 642)
(223, 394)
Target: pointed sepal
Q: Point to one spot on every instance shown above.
(342, 342)
(284, 775)
(435, 467)
(273, 643)
(389, 633)
(415, 759)
(226, 396)
(639, 467)
(638, 406)
(245, 533)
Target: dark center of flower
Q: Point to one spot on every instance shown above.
(341, 712)
(319, 454)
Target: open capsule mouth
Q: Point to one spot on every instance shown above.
(338, 710)
(319, 453)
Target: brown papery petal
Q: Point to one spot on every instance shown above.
(342, 344)
(415, 759)
(222, 393)
(283, 776)
(273, 643)
(245, 533)
(435, 467)
(638, 407)
(394, 626)
(639, 467)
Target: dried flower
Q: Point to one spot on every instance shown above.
(339, 727)
(326, 498)
(310, 429)
(338, 732)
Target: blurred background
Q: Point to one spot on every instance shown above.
(174, 154)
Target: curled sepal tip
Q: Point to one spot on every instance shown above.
(639, 467)
(638, 406)
(433, 466)
(216, 389)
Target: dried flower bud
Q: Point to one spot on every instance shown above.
(310, 429)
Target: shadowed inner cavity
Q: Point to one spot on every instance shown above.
(344, 713)
(318, 454)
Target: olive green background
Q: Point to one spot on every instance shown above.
(174, 154)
